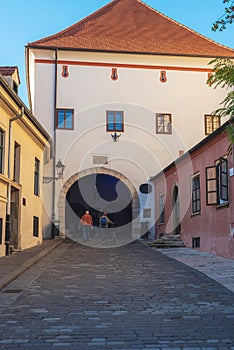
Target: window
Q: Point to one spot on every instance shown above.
(15, 87)
(1, 230)
(222, 177)
(217, 183)
(147, 213)
(115, 121)
(114, 74)
(65, 72)
(65, 119)
(196, 198)
(35, 226)
(196, 242)
(16, 173)
(163, 123)
(163, 76)
(145, 188)
(2, 143)
(212, 122)
(162, 209)
(36, 177)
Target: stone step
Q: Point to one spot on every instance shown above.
(170, 238)
(168, 242)
(167, 245)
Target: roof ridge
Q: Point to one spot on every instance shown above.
(184, 26)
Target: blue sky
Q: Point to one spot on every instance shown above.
(24, 21)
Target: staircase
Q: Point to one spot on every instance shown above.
(173, 241)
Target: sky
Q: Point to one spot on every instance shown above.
(25, 21)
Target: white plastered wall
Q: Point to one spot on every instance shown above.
(90, 91)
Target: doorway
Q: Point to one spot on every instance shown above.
(176, 211)
(14, 239)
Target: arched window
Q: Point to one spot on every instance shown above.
(145, 188)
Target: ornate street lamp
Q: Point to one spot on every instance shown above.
(60, 169)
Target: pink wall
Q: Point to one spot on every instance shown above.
(212, 225)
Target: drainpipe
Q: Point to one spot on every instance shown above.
(54, 144)
(8, 208)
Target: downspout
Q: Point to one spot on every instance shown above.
(8, 207)
(27, 77)
(54, 144)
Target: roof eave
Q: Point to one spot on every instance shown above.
(38, 47)
(21, 104)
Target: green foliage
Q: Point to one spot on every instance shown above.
(226, 18)
(223, 76)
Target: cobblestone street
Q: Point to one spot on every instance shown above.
(131, 297)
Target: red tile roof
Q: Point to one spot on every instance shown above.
(133, 27)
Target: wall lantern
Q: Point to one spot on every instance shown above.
(115, 136)
(60, 169)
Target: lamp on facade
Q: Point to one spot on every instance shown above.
(115, 137)
(60, 169)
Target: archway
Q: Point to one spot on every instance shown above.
(98, 193)
(114, 193)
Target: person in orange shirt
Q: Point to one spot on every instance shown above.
(87, 223)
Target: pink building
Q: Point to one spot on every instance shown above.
(195, 196)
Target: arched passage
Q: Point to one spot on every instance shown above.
(114, 193)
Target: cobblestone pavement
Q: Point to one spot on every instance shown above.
(131, 297)
(15, 264)
(216, 267)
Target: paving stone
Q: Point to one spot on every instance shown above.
(127, 298)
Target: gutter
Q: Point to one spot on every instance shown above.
(27, 76)
(54, 143)
(52, 48)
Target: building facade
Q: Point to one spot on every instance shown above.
(194, 196)
(22, 144)
(118, 92)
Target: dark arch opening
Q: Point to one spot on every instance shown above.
(98, 193)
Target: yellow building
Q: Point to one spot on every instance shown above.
(22, 145)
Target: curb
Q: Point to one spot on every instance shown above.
(26, 265)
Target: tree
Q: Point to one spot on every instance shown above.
(223, 75)
(226, 18)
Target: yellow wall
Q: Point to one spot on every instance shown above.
(32, 144)
(4, 122)
(29, 150)
(3, 200)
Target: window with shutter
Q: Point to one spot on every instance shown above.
(217, 191)
(211, 185)
(223, 180)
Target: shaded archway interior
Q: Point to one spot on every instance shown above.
(98, 193)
